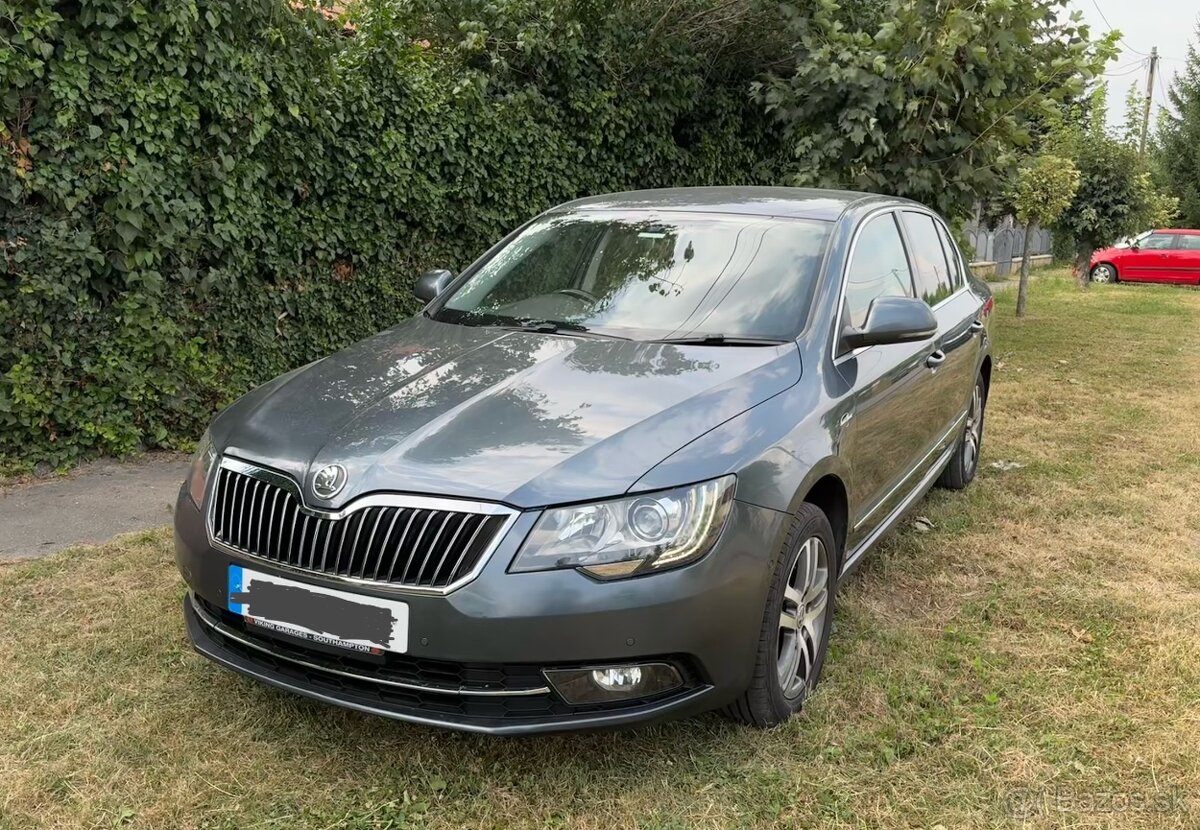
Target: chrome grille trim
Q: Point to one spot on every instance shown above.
(244, 498)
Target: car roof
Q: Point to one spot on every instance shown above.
(1182, 231)
(791, 202)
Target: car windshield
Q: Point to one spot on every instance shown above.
(1130, 241)
(649, 276)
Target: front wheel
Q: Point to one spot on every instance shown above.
(1104, 273)
(965, 461)
(796, 624)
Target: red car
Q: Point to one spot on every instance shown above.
(1165, 255)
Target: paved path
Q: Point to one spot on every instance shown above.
(93, 504)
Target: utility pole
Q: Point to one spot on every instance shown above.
(1149, 97)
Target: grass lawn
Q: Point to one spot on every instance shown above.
(1031, 661)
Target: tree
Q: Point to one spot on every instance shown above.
(1178, 140)
(1116, 196)
(1045, 187)
(931, 102)
(1135, 105)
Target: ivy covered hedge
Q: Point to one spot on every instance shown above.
(198, 195)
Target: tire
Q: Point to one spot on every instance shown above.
(964, 463)
(1104, 273)
(768, 701)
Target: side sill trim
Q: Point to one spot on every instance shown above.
(953, 428)
(917, 492)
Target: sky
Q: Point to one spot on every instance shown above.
(1167, 24)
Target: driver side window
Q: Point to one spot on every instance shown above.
(1158, 242)
(878, 268)
(533, 265)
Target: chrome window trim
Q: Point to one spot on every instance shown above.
(836, 337)
(286, 482)
(225, 631)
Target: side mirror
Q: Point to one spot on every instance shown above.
(432, 283)
(892, 320)
(1135, 247)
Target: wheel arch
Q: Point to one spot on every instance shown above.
(830, 495)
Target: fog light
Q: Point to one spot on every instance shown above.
(618, 678)
(609, 683)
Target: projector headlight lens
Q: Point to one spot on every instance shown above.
(629, 536)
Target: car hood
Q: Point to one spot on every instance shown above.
(524, 418)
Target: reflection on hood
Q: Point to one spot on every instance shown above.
(526, 418)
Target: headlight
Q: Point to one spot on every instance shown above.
(633, 535)
(202, 463)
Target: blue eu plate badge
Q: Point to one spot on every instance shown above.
(321, 615)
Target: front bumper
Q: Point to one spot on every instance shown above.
(475, 656)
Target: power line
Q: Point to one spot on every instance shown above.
(1102, 17)
(1166, 98)
(1111, 27)
(1136, 67)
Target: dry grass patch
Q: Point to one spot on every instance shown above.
(1031, 662)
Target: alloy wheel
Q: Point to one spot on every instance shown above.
(1102, 273)
(974, 431)
(802, 618)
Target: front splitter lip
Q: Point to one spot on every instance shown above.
(208, 647)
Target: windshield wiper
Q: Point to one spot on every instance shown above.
(543, 326)
(718, 340)
(551, 327)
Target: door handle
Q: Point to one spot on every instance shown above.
(935, 359)
(976, 326)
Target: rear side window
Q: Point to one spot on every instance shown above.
(878, 268)
(929, 260)
(952, 256)
(1189, 242)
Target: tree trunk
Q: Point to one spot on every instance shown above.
(1023, 285)
(1083, 258)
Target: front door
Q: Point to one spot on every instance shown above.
(1150, 262)
(887, 432)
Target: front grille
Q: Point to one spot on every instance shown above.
(412, 546)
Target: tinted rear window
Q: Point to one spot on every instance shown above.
(929, 260)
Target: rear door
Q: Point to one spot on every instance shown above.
(1185, 259)
(1151, 262)
(939, 279)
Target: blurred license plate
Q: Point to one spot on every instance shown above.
(320, 615)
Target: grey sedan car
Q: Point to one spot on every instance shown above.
(614, 471)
